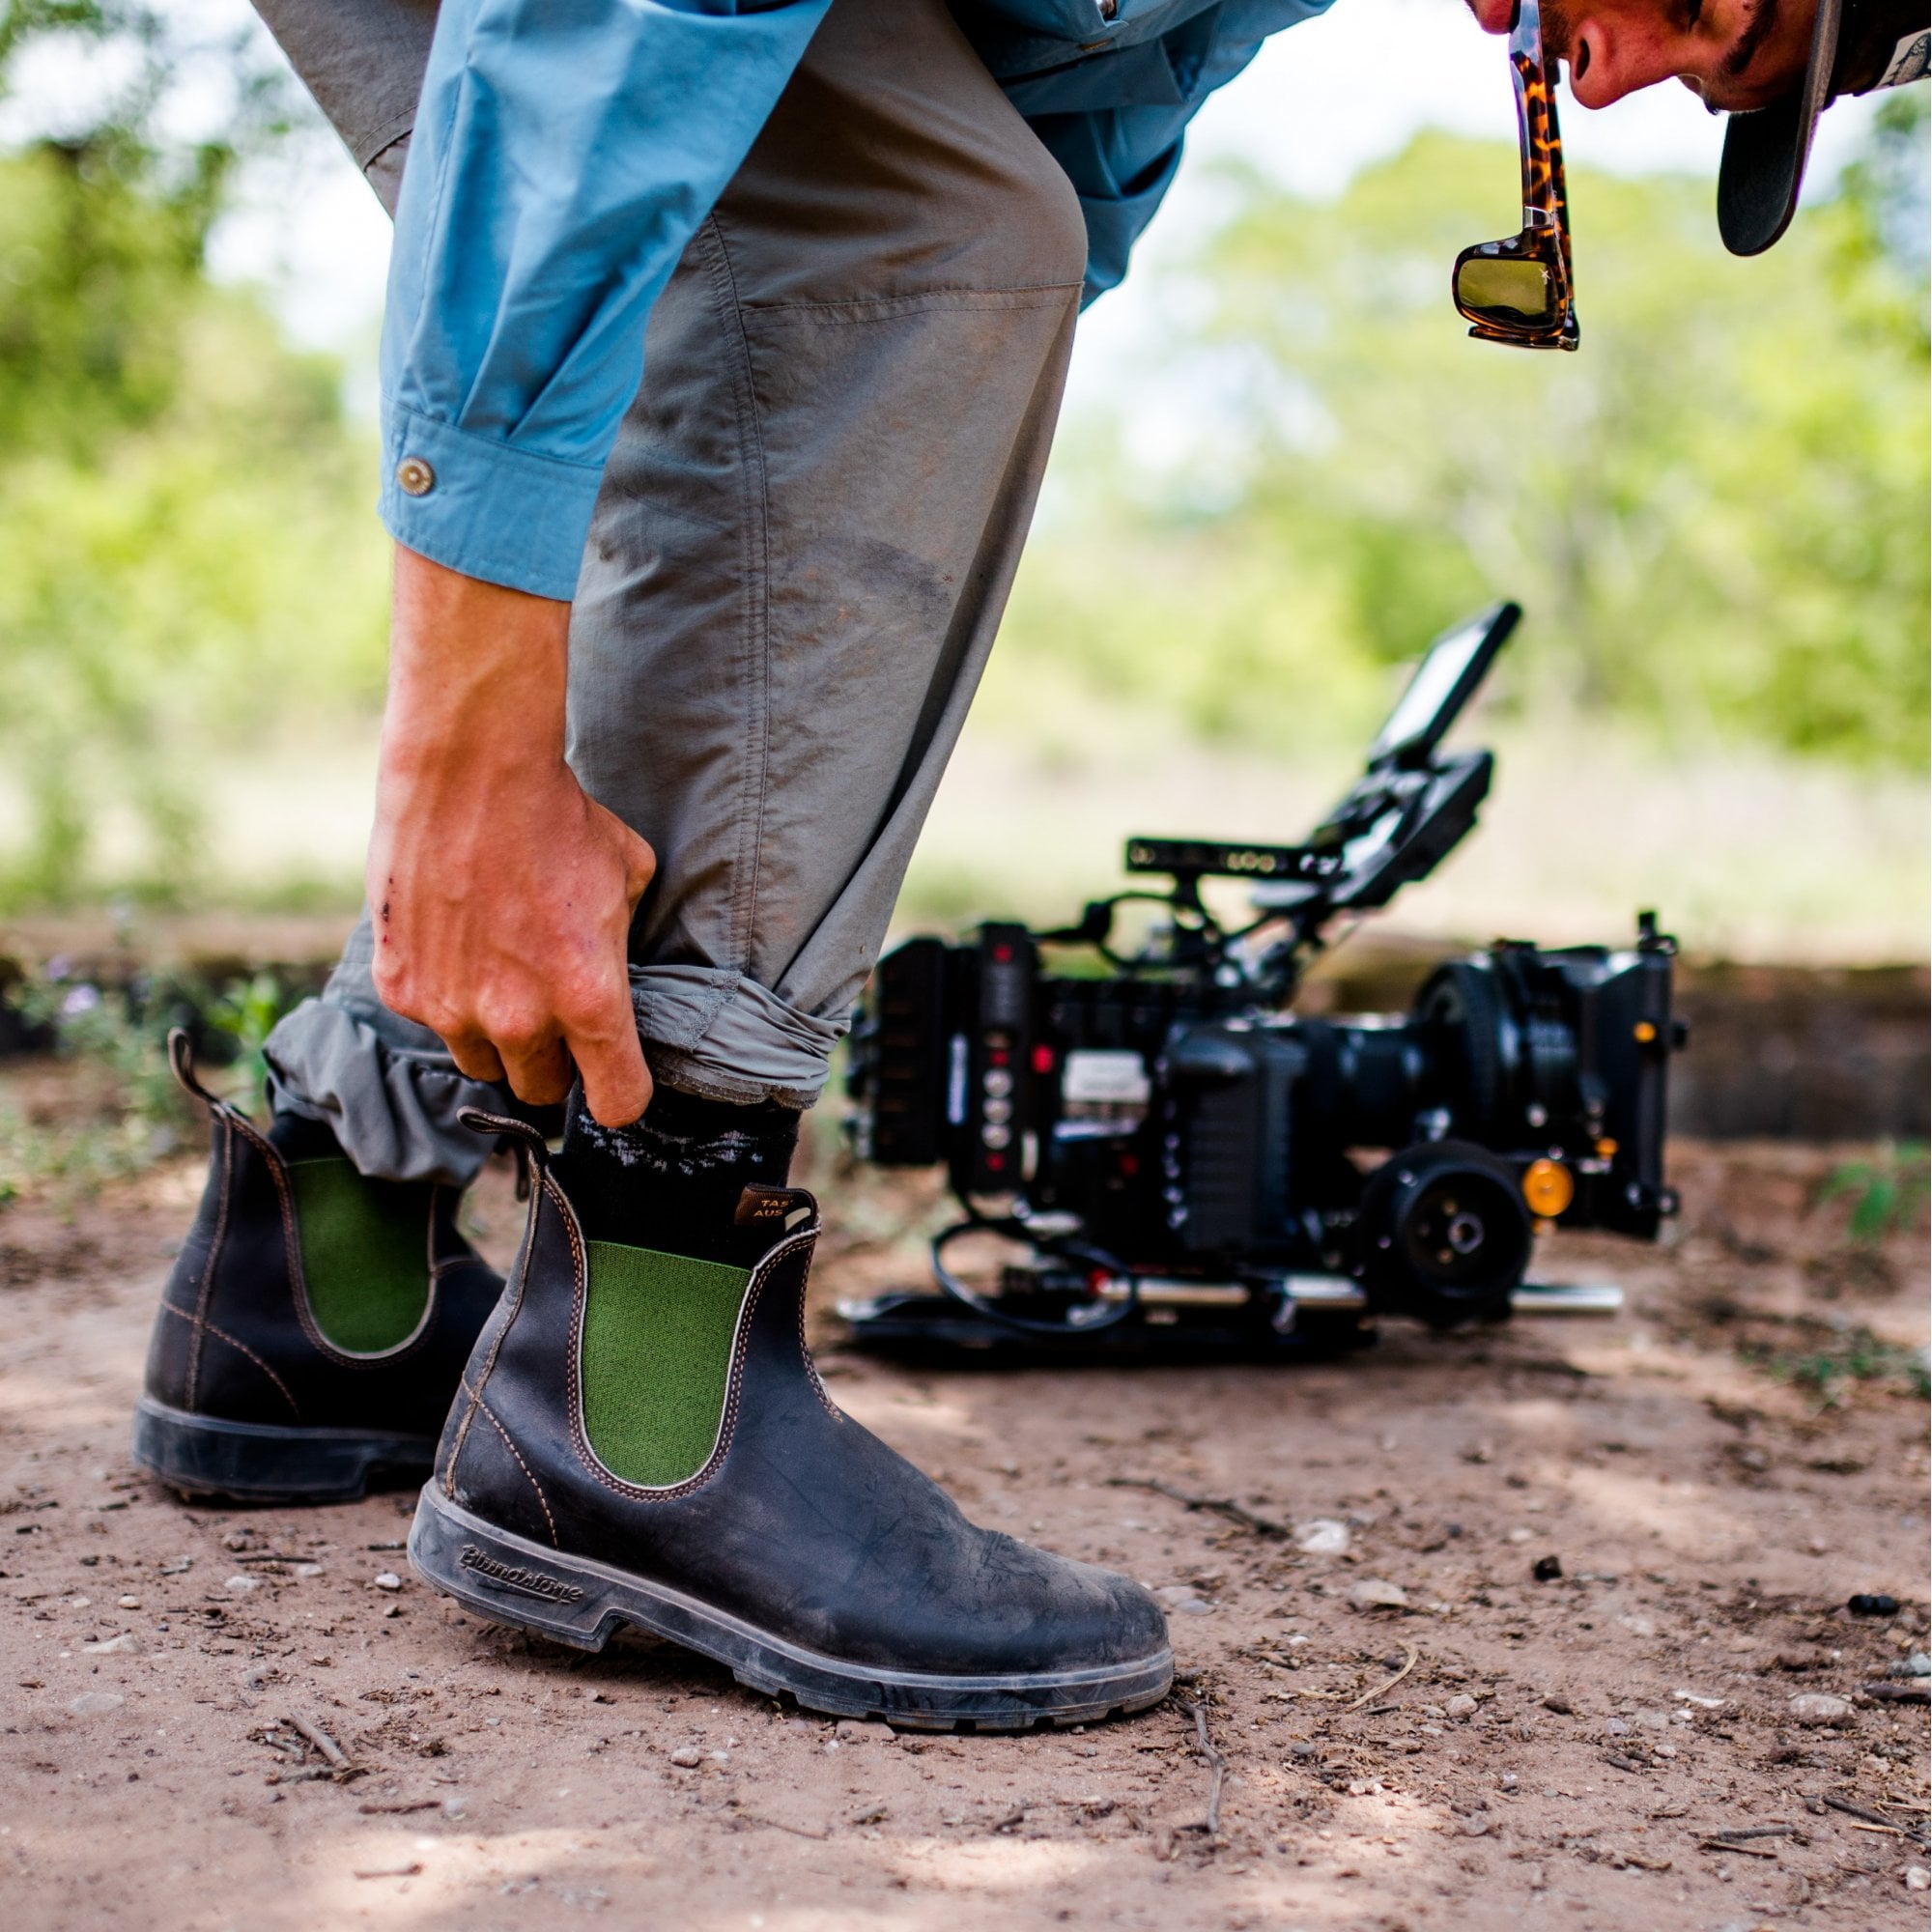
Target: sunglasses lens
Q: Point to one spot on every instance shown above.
(1509, 294)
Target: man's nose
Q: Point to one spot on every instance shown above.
(1607, 63)
(1493, 16)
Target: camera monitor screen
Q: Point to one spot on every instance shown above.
(1444, 681)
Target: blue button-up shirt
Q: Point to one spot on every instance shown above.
(564, 152)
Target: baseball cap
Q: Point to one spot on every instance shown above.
(1857, 46)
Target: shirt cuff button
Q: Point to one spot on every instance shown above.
(416, 477)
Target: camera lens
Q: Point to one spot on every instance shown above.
(1444, 1234)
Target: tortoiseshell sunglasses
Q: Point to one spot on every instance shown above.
(1521, 290)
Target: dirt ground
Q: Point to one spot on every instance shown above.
(1482, 1750)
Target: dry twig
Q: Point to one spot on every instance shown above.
(1227, 1506)
(1898, 1693)
(320, 1740)
(777, 1825)
(1852, 1810)
(1217, 1765)
(1382, 1689)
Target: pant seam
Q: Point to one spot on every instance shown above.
(931, 301)
(755, 493)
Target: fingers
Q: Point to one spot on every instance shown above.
(474, 1057)
(610, 1061)
(538, 1073)
(530, 1061)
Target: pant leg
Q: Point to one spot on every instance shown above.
(363, 61)
(808, 531)
(798, 563)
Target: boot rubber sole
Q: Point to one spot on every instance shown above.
(574, 1601)
(257, 1462)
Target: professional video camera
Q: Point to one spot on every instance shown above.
(1193, 1170)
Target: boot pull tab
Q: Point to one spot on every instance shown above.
(181, 1063)
(777, 1211)
(531, 1149)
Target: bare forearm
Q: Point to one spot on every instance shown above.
(471, 667)
(502, 894)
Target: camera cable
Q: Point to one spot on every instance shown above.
(1081, 1253)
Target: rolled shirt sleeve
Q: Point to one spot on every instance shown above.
(564, 152)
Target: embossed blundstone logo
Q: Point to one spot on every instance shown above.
(532, 1582)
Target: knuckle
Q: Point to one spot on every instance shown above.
(596, 1010)
(515, 1026)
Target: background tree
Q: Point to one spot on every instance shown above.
(185, 549)
(1716, 511)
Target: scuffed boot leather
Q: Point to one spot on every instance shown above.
(803, 1552)
(246, 1394)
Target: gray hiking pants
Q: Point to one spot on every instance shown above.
(804, 544)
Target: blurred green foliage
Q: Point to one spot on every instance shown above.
(186, 552)
(1714, 513)
(127, 1110)
(1888, 1192)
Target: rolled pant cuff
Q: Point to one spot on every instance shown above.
(722, 1037)
(395, 1111)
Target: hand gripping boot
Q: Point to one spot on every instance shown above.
(313, 1329)
(642, 1440)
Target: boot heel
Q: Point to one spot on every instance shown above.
(506, 1579)
(255, 1461)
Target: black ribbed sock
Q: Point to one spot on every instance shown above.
(672, 1181)
(297, 1137)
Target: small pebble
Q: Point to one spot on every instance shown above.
(1184, 1601)
(687, 1757)
(240, 1586)
(1918, 1665)
(1547, 1569)
(97, 1703)
(1322, 1536)
(1873, 1603)
(1464, 1706)
(388, 1579)
(1819, 1707)
(126, 1644)
(1554, 1700)
(1616, 1728)
(1378, 1593)
(129, 1603)
(1918, 1879)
